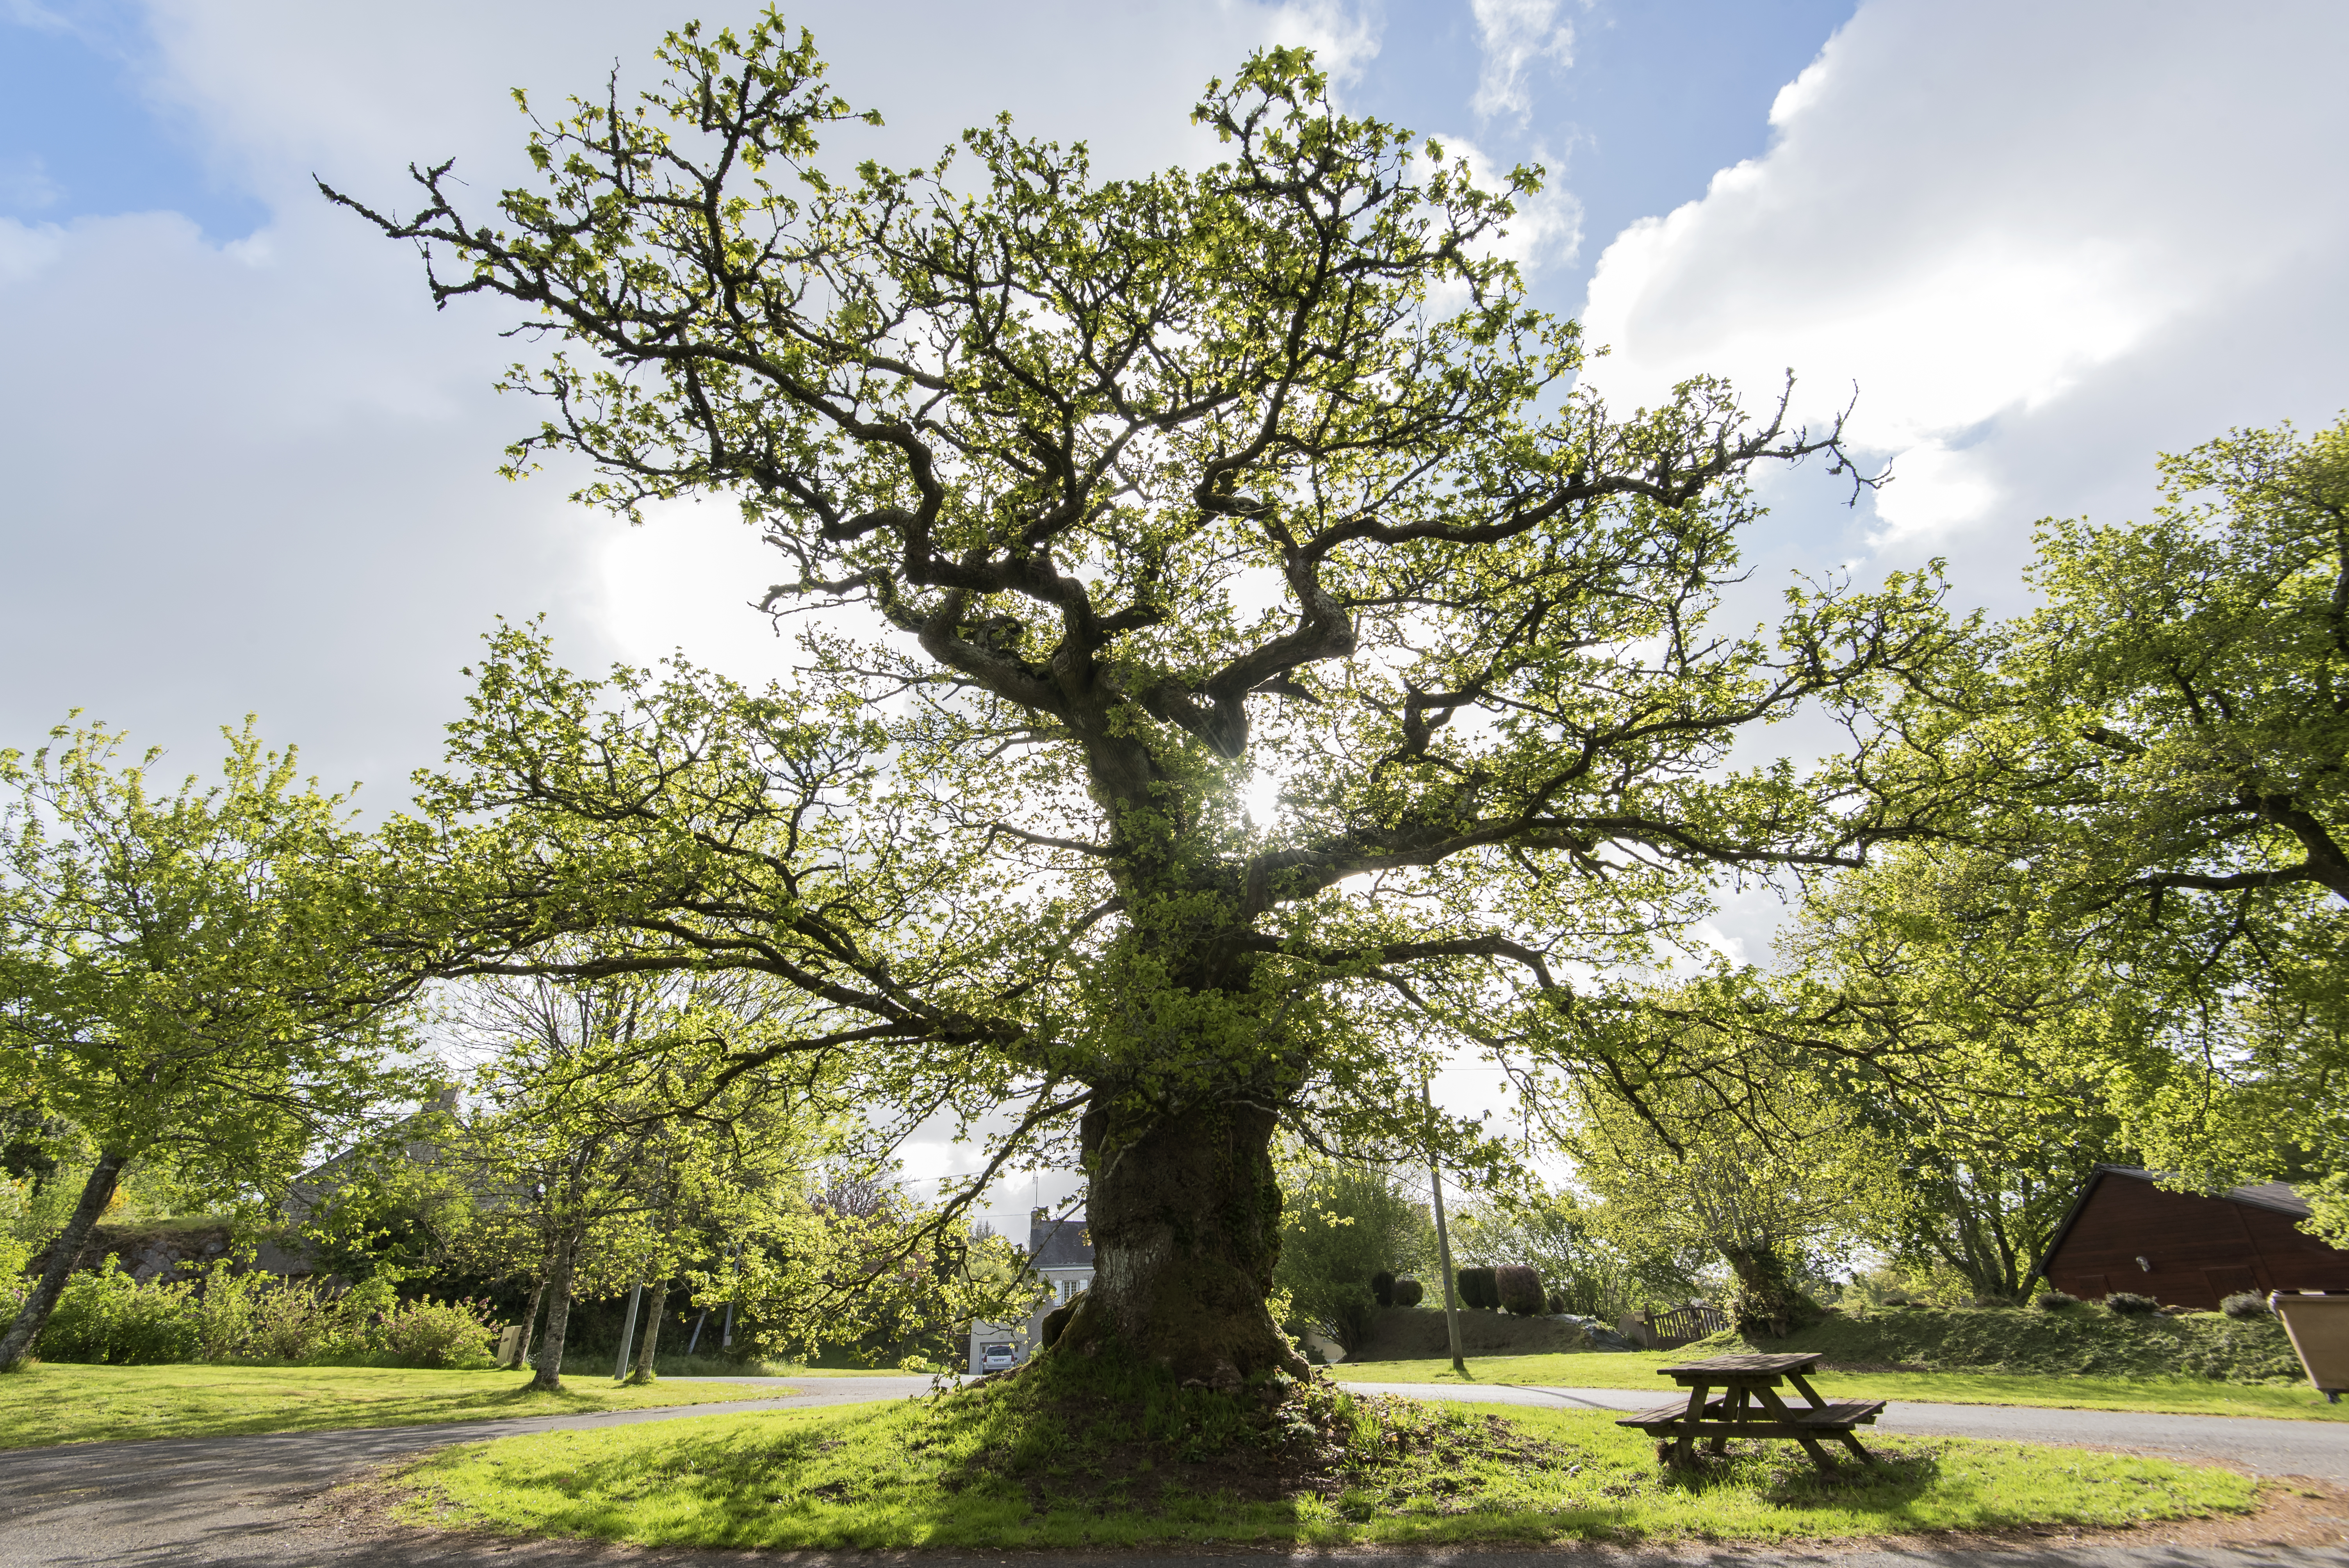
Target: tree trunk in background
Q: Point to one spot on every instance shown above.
(64, 1256)
(1185, 1221)
(549, 1364)
(1765, 1300)
(530, 1319)
(644, 1347)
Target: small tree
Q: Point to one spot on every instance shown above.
(1554, 1232)
(1997, 1062)
(187, 977)
(1768, 1182)
(1343, 1225)
(614, 1147)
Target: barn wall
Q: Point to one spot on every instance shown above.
(2201, 1249)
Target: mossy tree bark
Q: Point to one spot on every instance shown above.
(1185, 1222)
(647, 1344)
(1766, 1299)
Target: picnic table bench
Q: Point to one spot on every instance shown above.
(1748, 1406)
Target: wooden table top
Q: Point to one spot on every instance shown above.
(1743, 1368)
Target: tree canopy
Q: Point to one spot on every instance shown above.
(1151, 490)
(188, 975)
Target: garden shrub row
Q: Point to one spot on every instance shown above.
(105, 1315)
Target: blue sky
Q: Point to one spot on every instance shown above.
(80, 138)
(1653, 98)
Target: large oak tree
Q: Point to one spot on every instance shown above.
(1132, 502)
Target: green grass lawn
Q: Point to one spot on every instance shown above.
(950, 1474)
(58, 1403)
(1637, 1369)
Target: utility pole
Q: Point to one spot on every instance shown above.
(627, 1336)
(1443, 1240)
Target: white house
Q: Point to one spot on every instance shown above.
(1061, 1253)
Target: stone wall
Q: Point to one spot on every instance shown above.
(180, 1249)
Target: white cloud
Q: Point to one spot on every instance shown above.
(1343, 38)
(262, 475)
(1517, 34)
(27, 250)
(2042, 242)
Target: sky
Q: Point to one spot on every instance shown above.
(249, 469)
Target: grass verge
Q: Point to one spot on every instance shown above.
(2061, 1393)
(58, 1403)
(996, 1467)
(1638, 1369)
(2084, 1340)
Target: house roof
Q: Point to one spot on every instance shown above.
(1059, 1244)
(2281, 1197)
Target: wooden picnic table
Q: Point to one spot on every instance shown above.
(1748, 1406)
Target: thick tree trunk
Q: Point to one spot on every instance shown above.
(1765, 1300)
(549, 1364)
(1185, 1221)
(64, 1256)
(644, 1347)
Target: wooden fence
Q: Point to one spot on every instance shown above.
(1672, 1327)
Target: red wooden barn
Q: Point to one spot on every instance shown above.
(2123, 1232)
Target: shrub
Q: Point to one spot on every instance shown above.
(293, 1322)
(2128, 1303)
(428, 1332)
(2054, 1300)
(105, 1315)
(1518, 1290)
(1341, 1225)
(2246, 1304)
(1478, 1289)
(1409, 1293)
(1382, 1285)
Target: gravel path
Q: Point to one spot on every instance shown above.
(262, 1503)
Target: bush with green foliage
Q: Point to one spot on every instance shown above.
(2014, 1340)
(2055, 1300)
(1382, 1285)
(1555, 1235)
(1409, 1293)
(2247, 1303)
(2128, 1303)
(437, 1334)
(1341, 1227)
(105, 1315)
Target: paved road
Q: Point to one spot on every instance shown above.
(261, 1501)
(242, 1499)
(2317, 1448)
